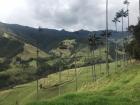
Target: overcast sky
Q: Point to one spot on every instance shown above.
(63, 14)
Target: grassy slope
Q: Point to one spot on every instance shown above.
(30, 52)
(14, 71)
(119, 88)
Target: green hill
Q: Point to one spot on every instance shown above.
(121, 88)
(21, 61)
(57, 74)
(17, 60)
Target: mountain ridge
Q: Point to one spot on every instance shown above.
(47, 39)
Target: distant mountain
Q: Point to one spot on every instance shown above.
(48, 39)
(19, 45)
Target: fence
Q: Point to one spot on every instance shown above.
(72, 80)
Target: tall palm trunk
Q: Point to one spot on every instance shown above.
(123, 58)
(59, 80)
(116, 55)
(68, 75)
(107, 48)
(126, 55)
(76, 78)
(88, 57)
(60, 70)
(116, 58)
(128, 32)
(139, 8)
(122, 25)
(37, 64)
(75, 67)
(116, 26)
(123, 43)
(100, 55)
(94, 75)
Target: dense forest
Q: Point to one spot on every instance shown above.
(134, 46)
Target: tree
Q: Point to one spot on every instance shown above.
(105, 36)
(107, 47)
(92, 46)
(37, 63)
(101, 43)
(60, 69)
(122, 14)
(115, 20)
(116, 56)
(139, 10)
(134, 47)
(126, 2)
(136, 32)
(93, 40)
(76, 80)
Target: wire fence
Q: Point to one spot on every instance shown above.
(72, 80)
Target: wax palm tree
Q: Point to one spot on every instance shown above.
(105, 36)
(101, 43)
(76, 75)
(139, 10)
(126, 2)
(131, 30)
(37, 63)
(75, 67)
(92, 47)
(60, 67)
(100, 55)
(93, 44)
(62, 46)
(107, 46)
(115, 20)
(122, 14)
(116, 56)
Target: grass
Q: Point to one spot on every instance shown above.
(121, 88)
(88, 99)
(12, 70)
(105, 86)
(30, 52)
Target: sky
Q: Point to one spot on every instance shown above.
(70, 15)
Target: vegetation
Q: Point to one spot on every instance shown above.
(121, 85)
(38, 67)
(119, 89)
(16, 61)
(134, 47)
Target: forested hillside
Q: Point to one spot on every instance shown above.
(50, 38)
